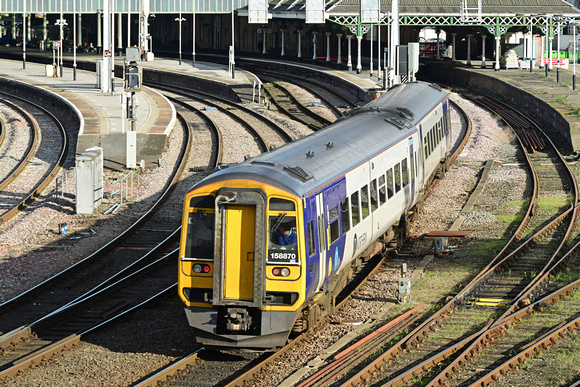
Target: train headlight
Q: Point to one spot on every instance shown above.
(199, 268)
(281, 271)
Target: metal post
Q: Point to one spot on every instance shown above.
(339, 56)
(531, 48)
(558, 59)
(233, 45)
(359, 54)
(24, 36)
(194, 4)
(574, 65)
(379, 47)
(179, 20)
(371, 64)
(61, 24)
(74, 40)
(349, 57)
(128, 23)
(547, 48)
(299, 45)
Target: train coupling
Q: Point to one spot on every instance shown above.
(238, 319)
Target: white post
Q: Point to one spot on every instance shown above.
(283, 48)
(120, 33)
(469, 49)
(339, 57)
(371, 64)
(299, 45)
(483, 51)
(551, 42)
(453, 58)
(349, 60)
(379, 47)
(99, 31)
(264, 41)
(106, 65)
(24, 36)
(395, 39)
(61, 24)
(328, 48)
(75, 42)
(497, 51)
(314, 33)
(233, 61)
(574, 65)
(194, 4)
(438, 55)
(359, 54)
(128, 23)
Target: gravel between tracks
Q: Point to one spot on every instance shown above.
(101, 362)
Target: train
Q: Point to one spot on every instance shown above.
(267, 244)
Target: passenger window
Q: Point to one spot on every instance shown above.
(382, 190)
(374, 200)
(311, 240)
(334, 230)
(354, 205)
(426, 154)
(397, 177)
(364, 201)
(345, 215)
(390, 190)
(404, 172)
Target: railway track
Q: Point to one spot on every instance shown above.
(39, 164)
(272, 135)
(467, 317)
(286, 102)
(96, 289)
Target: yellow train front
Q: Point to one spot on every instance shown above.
(242, 286)
(268, 243)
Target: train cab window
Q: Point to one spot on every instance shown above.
(364, 201)
(282, 231)
(374, 198)
(345, 215)
(283, 239)
(311, 240)
(412, 162)
(355, 209)
(334, 224)
(405, 172)
(390, 190)
(382, 190)
(199, 241)
(397, 177)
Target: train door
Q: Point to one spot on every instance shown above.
(239, 247)
(321, 223)
(238, 263)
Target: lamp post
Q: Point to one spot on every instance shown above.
(547, 48)
(61, 23)
(24, 36)
(193, 5)
(574, 54)
(179, 20)
(531, 44)
(232, 60)
(558, 20)
(74, 40)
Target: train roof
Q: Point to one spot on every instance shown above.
(306, 165)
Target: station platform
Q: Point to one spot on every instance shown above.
(103, 121)
(553, 104)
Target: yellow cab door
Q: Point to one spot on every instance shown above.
(239, 247)
(239, 252)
